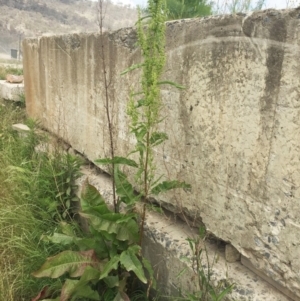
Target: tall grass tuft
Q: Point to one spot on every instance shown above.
(36, 190)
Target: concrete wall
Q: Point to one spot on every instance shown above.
(234, 132)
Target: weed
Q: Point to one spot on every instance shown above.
(203, 270)
(30, 204)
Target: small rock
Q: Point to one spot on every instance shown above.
(14, 79)
(20, 127)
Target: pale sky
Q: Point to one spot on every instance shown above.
(269, 3)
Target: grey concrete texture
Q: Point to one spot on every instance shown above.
(234, 132)
(165, 245)
(11, 91)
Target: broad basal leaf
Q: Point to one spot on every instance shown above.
(124, 188)
(131, 262)
(122, 225)
(90, 195)
(70, 262)
(74, 289)
(109, 266)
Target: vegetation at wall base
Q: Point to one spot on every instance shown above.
(4, 70)
(30, 204)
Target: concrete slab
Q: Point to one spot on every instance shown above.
(11, 91)
(167, 248)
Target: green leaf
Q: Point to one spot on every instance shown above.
(117, 160)
(167, 82)
(70, 262)
(68, 289)
(140, 132)
(75, 288)
(121, 296)
(122, 225)
(168, 185)
(90, 196)
(150, 271)
(61, 239)
(140, 103)
(158, 138)
(111, 281)
(131, 262)
(124, 188)
(131, 68)
(109, 266)
(225, 292)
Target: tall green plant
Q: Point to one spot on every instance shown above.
(101, 262)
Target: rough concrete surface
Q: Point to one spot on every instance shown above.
(165, 245)
(11, 91)
(234, 131)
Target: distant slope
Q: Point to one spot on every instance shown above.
(27, 18)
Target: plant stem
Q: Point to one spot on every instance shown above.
(101, 17)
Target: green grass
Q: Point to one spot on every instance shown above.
(4, 70)
(33, 202)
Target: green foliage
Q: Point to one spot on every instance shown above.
(106, 256)
(29, 206)
(203, 273)
(9, 70)
(181, 9)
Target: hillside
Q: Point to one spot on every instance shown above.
(31, 18)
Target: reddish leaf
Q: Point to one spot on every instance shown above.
(42, 294)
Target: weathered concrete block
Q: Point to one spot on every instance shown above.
(234, 131)
(11, 91)
(165, 245)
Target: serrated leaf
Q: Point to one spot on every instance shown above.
(70, 262)
(131, 262)
(158, 138)
(117, 160)
(168, 185)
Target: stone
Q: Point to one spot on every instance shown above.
(20, 127)
(10, 91)
(14, 79)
